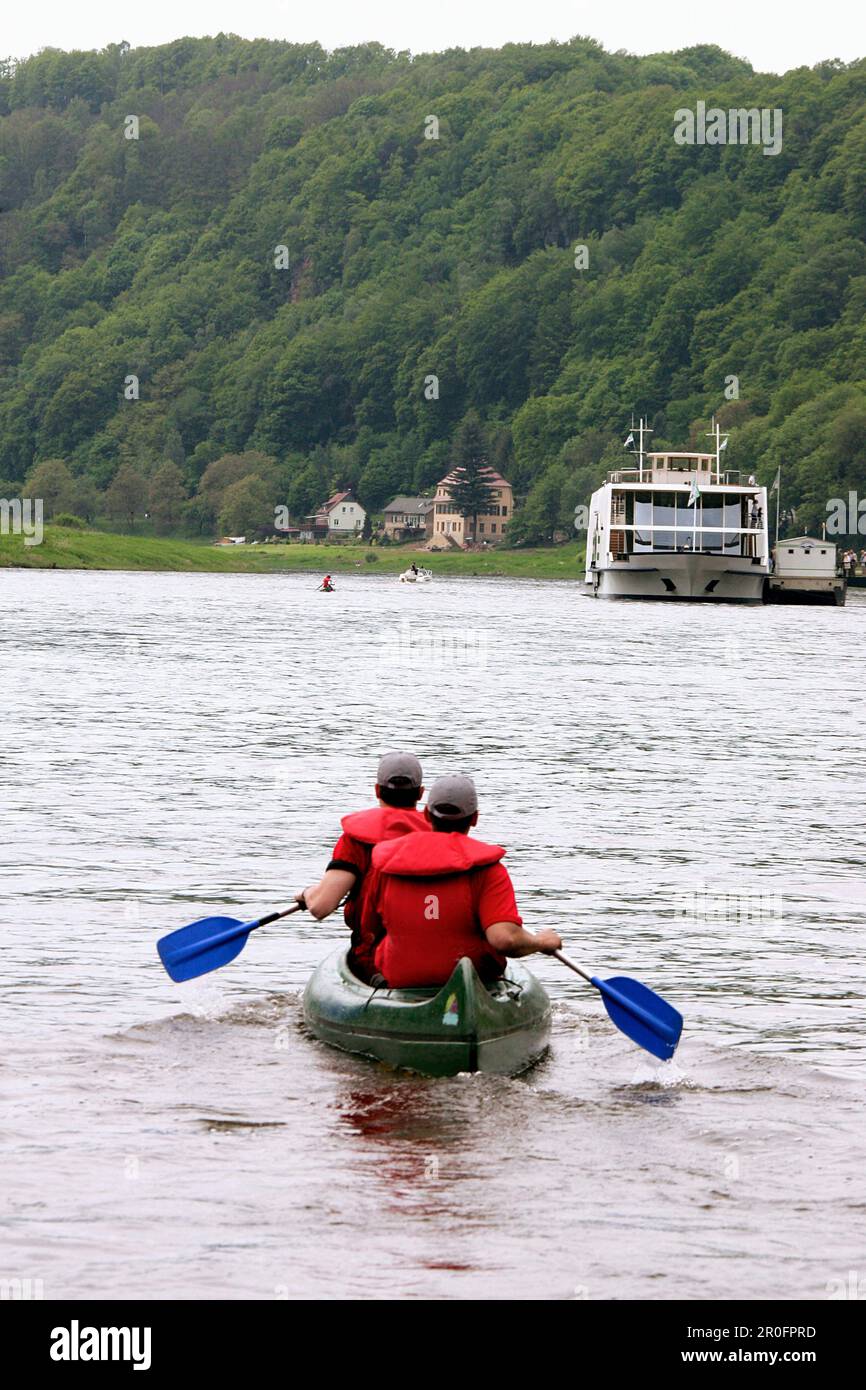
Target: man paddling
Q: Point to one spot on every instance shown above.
(437, 895)
(399, 786)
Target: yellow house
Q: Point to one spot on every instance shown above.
(450, 527)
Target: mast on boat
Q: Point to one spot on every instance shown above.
(642, 429)
(716, 434)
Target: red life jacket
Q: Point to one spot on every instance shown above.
(370, 828)
(427, 888)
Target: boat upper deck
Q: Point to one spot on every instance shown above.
(666, 470)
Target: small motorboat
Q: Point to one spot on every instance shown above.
(416, 576)
(461, 1026)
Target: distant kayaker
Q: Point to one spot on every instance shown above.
(438, 895)
(326, 585)
(399, 787)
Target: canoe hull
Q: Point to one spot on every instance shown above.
(460, 1027)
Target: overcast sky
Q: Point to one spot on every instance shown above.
(773, 36)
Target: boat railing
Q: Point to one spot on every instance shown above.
(733, 477)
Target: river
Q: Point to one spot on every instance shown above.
(681, 791)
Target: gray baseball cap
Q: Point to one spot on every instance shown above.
(399, 770)
(452, 798)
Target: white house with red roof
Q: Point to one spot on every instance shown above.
(340, 516)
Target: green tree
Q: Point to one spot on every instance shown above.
(542, 513)
(52, 481)
(219, 476)
(126, 496)
(381, 478)
(86, 498)
(167, 497)
(247, 507)
(74, 412)
(470, 486)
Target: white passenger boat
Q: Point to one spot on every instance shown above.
(677, 527)
(416, 576)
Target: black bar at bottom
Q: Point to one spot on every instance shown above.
(140, 1337)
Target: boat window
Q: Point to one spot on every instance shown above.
(665, 515)
(712, 515)
(643, 518)
(733, 520)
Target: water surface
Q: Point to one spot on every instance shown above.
(680, 789)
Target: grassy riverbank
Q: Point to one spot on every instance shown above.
(99, 550)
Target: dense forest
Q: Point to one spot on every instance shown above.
(242, 273)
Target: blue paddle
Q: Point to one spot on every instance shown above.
(638, 1012)
(209, 943)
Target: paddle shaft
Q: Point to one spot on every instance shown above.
(572, 966)
(275, 916)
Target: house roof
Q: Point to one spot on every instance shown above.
(333, 501)
(320, 515)
(409, 504)
(490, 475)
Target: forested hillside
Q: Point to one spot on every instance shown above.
(406, 258)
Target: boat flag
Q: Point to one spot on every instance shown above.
(630, 440)
(723, 445)
(695, 493)
(777, 480)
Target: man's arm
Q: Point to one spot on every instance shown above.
(347, 866)
(511, 940)
(501, 922)
(323, 897)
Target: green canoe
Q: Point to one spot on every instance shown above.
(460, 1026)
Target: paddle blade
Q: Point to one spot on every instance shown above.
(203, 946)
(641, 1014)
